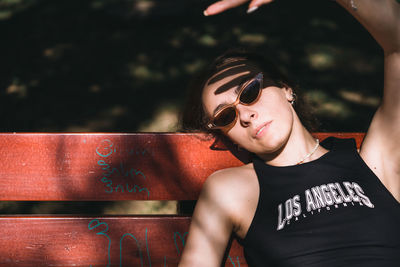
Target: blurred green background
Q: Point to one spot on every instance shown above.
(119, 65)
(123, 66)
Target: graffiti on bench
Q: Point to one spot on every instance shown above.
(104, 150)
(93, 224)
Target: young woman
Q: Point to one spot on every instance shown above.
(299, 203)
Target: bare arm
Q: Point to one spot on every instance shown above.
(380, 17)
(211, 226)
(381, 146)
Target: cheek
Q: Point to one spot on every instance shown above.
(236, 135)
(283, 123)
(274, 106)
(282, 115)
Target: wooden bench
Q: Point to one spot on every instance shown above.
(98, 167)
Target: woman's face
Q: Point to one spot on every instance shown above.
(262, 127)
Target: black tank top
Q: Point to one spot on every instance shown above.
(333, 211)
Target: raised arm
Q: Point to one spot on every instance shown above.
(380, 17)
(381, 146)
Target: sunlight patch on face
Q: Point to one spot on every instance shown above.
(225, 73)
(237, 73)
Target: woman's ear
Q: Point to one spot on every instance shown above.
(288, 91)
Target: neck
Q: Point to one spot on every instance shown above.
(299, 144)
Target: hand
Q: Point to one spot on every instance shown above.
(221, 6)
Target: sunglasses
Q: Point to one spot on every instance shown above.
(225, 118)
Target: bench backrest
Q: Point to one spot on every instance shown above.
(103, 166)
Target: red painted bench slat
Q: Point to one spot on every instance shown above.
(93, 166)
(102, 241)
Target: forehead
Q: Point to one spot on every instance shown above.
(222, 91)
(231, 74)
(226, 84)
(220, 86)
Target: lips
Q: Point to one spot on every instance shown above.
(259, 131)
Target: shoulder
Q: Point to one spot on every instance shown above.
(234, 190)
(230, 181)
(214, 218)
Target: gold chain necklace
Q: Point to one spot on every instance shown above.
(309, 154)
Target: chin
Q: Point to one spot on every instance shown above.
(271, 144)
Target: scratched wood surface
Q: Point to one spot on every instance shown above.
(104, 166)
(102, 241)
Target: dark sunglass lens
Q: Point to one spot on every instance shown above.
(250, 93)
(225, 117)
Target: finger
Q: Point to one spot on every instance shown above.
(257, 3)
(221, 6)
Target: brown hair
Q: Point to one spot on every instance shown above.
(193, 117)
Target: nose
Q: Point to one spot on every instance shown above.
(246, 114)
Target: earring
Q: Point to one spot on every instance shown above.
(353, 5)
(292, 102)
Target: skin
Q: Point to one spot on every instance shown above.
(275, 144)
(229, 197)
